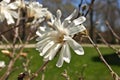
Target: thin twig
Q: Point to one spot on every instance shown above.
(14, 58)
(80, 4)
(10, 29)
(114, 74)
(39, 70)
(108, 25)
(79, 7)
(43, 74)
(105, 42)
(90, 7)
(5, 39)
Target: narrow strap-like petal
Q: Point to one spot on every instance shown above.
(57, 22)
(13, 6)
(7, 1)
(8, 17)
(47, 47)
(14, 14)
(66, 53)
(72, 15)
(59, 14)
(60, 60)
(52, 52)
(79, 20)
(76, 29)
(74, 45)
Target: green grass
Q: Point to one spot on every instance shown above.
(95, 69)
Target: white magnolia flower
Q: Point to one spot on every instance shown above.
(36, 10)
(60, 39)
(2, 64)
(19, 3)
(7, 11)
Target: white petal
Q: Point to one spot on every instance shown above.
(66, 53)
(46, 59)
(39, 34)
(14, 14)
(8, 17)
(72, 15)
(79, 20)
(52, 18)
(44, 40)
(57, 22)
(41, 20)
(42, 36)
(13, 6)
(7, 1)
(42, 28)
(54, 49)
(66, 23)
(47, 47)
(60, 60)
(76, 29)
(74, 45)
(41, 44)
(40, 48)
(59, 14)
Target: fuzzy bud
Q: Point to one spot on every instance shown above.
(23, 55)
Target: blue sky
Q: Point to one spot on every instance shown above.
(77, 2)
(74, 2)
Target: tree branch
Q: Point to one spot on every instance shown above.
(108, 25)
(90, 7)
(105, 42)
(39, 70)
(114, 75)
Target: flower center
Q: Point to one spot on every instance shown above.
(60, 36)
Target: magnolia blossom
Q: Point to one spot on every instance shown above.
(59, 39)
(2, 64)
(36, 10)
(7, 11)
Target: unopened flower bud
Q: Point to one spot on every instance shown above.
(6, 52)
(84, 7)
(23, 55)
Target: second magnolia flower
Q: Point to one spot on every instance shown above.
(59, 38)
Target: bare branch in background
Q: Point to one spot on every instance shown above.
(114, 74)
(79, 7)
(110, 46)
(90, 7)
(39, 70)
(80, 4)
(9, 29)
(108, 25)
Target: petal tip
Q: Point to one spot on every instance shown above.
(79, 52)
(59, 66)
(66, 60)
